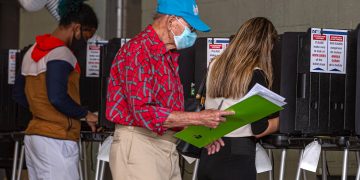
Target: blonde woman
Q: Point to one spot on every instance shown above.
(244, 63)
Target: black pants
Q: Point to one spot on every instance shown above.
(234, 161)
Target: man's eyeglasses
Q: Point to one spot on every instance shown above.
(192, 29)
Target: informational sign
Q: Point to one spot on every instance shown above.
(124, 40)
(12, 66)
(215, 46)
(93, 58)
(328, 51)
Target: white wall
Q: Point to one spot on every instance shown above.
(226, 16)
(33, 24)
(41, 22)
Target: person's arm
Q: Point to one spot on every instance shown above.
(141, 97)
(57, 76)
(18, 93)
(272, 128)
(265, 125)
(260, 128)
(209, 118)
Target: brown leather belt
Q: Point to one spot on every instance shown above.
(167, 136)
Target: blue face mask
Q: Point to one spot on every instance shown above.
(185, 39)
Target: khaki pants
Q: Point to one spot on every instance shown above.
(139, 154)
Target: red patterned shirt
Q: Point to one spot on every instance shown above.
(144, 85)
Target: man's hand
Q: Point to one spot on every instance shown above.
(215, 146)
(209, 118)
(91, 120)
(212, 118)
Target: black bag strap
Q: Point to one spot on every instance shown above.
(201, 94)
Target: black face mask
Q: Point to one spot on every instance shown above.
(78, 45)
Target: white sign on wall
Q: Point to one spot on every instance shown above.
(328, 51)
(215, 46)
(12, 66)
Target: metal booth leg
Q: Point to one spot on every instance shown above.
(345, 164)
(85, 160)
(15, 158)
(80, 159)
(194, 177)
(102, 169)
(282, 165)
(324, 170)
(271, 172)
(21, 161)
(358, 161)
(298, 172)
(98, 162)
(304, 175)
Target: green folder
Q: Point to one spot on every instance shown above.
(248, 111)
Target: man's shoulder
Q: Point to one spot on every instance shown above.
(135, 47)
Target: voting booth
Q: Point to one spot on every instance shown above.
(193, 63)
(285, 56)
(316, 72)
(357, 88)
(7, 107)
(13, 117)
(326, 82)
(107, 55)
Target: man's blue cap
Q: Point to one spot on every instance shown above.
(187, 9)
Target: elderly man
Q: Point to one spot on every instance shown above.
(145, 95)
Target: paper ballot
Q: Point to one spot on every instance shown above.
(310, 159)
(262, 160)
(255, 105)
(105, 149)
(267, 94)
(188, 159)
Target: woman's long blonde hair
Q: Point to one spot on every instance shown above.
(251, 47)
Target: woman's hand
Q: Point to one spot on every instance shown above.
(215, 146)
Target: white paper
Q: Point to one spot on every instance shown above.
(188, 159)
(215, 46)
(328, 51)
(124, 40)
(104, 151)
(262, 160)
(311, 156)
(93, 55)
(12, 66)
(93, 58)
(271, 99)
(265, 93)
